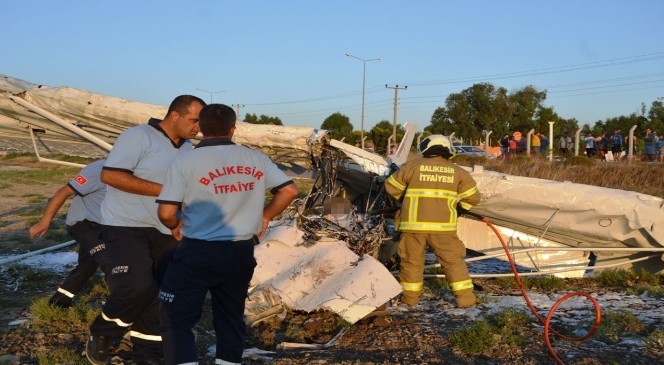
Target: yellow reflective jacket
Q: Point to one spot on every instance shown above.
(430, 189)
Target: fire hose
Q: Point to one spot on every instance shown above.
(546, 322)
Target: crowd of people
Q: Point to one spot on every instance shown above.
(596, 147)
(168, 223)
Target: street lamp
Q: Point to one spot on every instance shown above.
(364, 73)
(211, 93)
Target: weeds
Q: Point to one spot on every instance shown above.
(505, 326)
(509, 323)
(473, 339)
(295, 331)
(77, 318)
(616, 323)
(61, 355)
(543, 282)
(655, 341)
(635, 176)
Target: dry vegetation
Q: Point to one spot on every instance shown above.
(642, 177)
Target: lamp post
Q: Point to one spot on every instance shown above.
(211, 93)
(364, 73)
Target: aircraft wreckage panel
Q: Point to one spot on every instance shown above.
(324, 275)
(584, 215)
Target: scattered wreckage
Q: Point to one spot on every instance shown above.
(334, 248)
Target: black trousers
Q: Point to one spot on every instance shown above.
(91, 255)
(139, 257)
(224, 268)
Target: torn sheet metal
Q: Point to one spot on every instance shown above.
(477, 236)
(325, 275)
(575, 214)
(106, 117)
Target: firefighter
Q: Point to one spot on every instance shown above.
(432, 189)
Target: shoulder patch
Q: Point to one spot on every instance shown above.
(81, 180)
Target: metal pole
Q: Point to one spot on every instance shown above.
(364, 73)
(211, 93)
(394, 120)
(549, 148)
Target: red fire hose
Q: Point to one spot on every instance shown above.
(547, 322)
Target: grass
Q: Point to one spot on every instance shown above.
(503, 327)
(61, 355)
(615, 324)
(636, 176)
(53, 156)
(655, 341)
(76, 318)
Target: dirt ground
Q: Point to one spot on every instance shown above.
(401, 335)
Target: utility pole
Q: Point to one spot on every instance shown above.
(394, 120)
(237, 108)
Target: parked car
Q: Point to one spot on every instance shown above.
(471, 151)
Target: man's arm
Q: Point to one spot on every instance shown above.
(125, 181)
(280, 201)
(168, 215)
(54, 204)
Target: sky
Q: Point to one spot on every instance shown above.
(287, 59)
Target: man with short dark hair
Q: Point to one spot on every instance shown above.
(139, 246)
(214, 198)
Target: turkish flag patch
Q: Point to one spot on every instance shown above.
(80, 180)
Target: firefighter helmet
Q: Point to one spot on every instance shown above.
(436, 140)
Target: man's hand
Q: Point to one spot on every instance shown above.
(266, 222)
(39, 229)
(176, 231)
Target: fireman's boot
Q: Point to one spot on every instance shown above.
(410, 297)
(465, 298)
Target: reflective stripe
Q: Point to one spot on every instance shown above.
(144, 336)
(393, 181)
(412, 286)
(432, 193)
(116, 320)
(68, 294)
(469, 192)
(465, 206)
(461, 285)
(224, 362)
(427, 226)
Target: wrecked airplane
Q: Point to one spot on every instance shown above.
(334, 248)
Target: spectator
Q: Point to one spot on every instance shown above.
(513, 147)
(505, 146)
(590, 145)
(564, 144)
(649, 145)
(544, 140)
(616, 145)
(602, 143)
(535, 144)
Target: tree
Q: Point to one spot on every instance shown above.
(339, 126)
(263, 119)
(381, 133)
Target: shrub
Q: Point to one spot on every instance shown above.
(474, 339)
(616, 323)
(60, 356)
